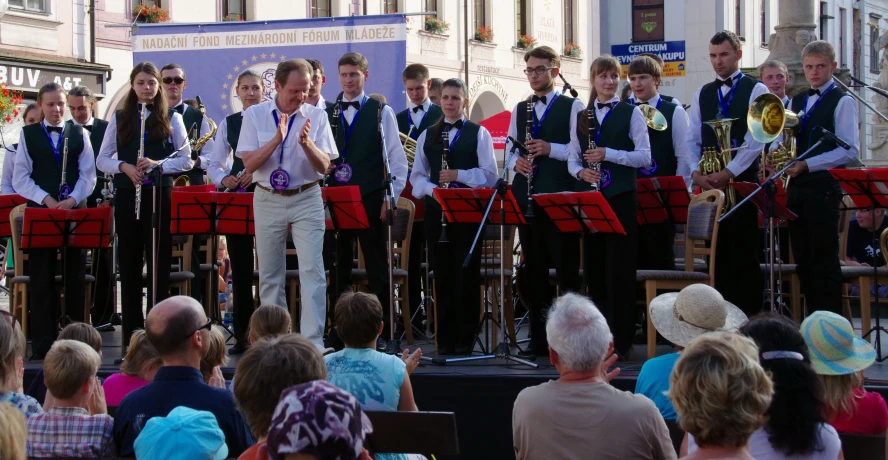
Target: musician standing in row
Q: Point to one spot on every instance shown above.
(82, 104)
(775, 76)
(662, 66)
(737, 272)
(318, 80)
(622, 145)
(541, 243)
(287, 145)
(224, 169)
(471, 164)
(49, 154)
(361, 163)
(30, 115)
(813, 195)
(164, 134)
(669, 154)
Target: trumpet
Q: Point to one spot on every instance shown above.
(141, 155)
(767, 119)
(202, 140)
(237, 178)
(64, 188)
(590, 116)
(445, 137)
(528, 135)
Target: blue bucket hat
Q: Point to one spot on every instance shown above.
(835, 350)
(184, 433)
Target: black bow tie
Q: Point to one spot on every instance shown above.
(641, 103)
(458, 124)
(729, 82)
(539, 98)
(418, 108)
(180, 108)
(148, 107)
(88, 128)
(813, 91)
(602, 105)
(57, 129)
(346, 105)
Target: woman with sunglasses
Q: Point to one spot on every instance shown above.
(164, 134)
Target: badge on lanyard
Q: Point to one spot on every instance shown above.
(64, 192)
(280, 179)
(650, 170)
(342, 173)
(605, 178)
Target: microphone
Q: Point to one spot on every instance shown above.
(567, 86)
(518, 144)
(835, 138)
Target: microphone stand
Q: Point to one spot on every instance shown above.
(568, 87)
(394, 346)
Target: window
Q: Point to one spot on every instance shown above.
(232, 7)
(391, 6)
(824, 20)
(521, 17)
(764, 22)
(874, 40)
(647, 21)
(842, 37)
(33, 6)
(432, 5)
(149, 2)
(738, 24)
(480, 7)
(569, 10)
(320, 8)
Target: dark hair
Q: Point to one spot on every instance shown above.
(30, 107)
(173, 66)
(355, 59)
(191, 103)
(82, 332)
(50, 88)
(282, 73)
(175, 336)
(437, 83)
(625, 92)
(644, 65)
(415, 72)
(796, 410)
(655, 57)
(251, 73)
(358, 315)
(544, 52)
(316, 65)
(436, 129)
(726, 36)
(158, 123)
(84, 92)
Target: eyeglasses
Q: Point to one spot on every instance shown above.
(168, 80)
(538, 71)
(206, 326)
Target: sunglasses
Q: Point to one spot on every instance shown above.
(168, 80)
(207, 326)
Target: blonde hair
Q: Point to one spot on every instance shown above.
(600, 65)
(215, 353)
(140, 355)
(12, 347)
(820, 48)
(13, 436)
(838, 393)
(774, 64)
(269, 321)
(68, 365)
(719, 390)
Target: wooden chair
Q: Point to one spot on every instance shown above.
(490, 280)
(181, 278)
(701, 236)
(863, 446)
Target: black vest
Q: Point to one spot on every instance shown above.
(46, 172)
(552, 175)
(364, 153)
(95, 138)
(664, 162)
(667, 99)
(233, 123)
(824, 117)
(193, 117)
(709, 106)
(614, 134)
(431, 117)
(129, 153)
(464, 154)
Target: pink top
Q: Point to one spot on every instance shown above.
(870, 415)
(119, 385)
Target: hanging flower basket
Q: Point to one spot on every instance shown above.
(573, 50)
(484, 34)
(436, 26)
(9, 104)
(233, 17)
(150, 14)
(526, 42)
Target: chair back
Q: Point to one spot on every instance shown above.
(883, 243)
(401, 232)
(701, 231)
(182, 252)
(863, 446)
(17, 224)
(491, 250)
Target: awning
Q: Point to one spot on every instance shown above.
(498, 125)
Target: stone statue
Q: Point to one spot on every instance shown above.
(881, 102)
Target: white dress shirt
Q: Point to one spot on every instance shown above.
(680, 127)
(108, 162)
(484, 176)
(786, 100)
(220, 161)
(416, 117)
(846, 121)
(204, 129)
(559, 152)
(322, 103)
(24, 166)
(638, 132)
(6, 186)
(397, 157)
(743, 158)
(674, 100)
(259, 127)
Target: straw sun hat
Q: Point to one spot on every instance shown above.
(681, 317)
(835, 350)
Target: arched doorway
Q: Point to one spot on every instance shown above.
(487, 104)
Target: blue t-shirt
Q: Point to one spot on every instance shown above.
(860, 244)
(653, 382)
(372, 377)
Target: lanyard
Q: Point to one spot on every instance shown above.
(453, 141)
(725, 106)
(600, 125)
(56, 147)
(351, 126)
(537, 124)
(274, 114)
(808, 113)
(414, 134)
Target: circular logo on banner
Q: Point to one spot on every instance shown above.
(650, 170)
(64, 192)
(279, 179)
(605, 178)
(264, 64)
(342, 173)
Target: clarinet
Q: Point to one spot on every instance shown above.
(139, 157)
(445, 137)
(590, 116)
(528, 135)
(236, 178)
(63, 193)
(337, 107)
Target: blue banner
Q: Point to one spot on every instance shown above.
(672, 53)
(213, 55)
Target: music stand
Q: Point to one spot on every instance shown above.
(7, 204)
(866, 187)
(662, 199)
(582, 212)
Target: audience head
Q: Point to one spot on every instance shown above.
(269, 367)
(719, 390)
(379, 97)
(183, 433)
(69, 370)
(358, 319)
(141, 359)
(797, 406)
(579, 337)
(83, 332)
(215, 353)
(269, 321)
(13, 436)
(869, 219)
(179, 330)
(320, 421)
(680, 317)
(12, 353)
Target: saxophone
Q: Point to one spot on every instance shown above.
(202, 140)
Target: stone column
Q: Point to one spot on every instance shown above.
(796, 29)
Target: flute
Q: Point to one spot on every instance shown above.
(139, 157)
(590, 116)
(445, 137)
(236, 178)
(64, 188)
(528, 135)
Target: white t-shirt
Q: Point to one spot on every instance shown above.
(761, 449)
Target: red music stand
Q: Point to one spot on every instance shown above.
(234, 213)
(580, 212)
(777, 210)
(67, 228)
(344, 208)
(7, 203)
(663, 199)
(467, 206)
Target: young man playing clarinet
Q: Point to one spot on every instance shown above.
(621, 146)
(813, 195)
(231, 174)
(541, 243)
(361, 163)
(51, 153)
(287, 145)
(737, 272)
(470, 163)
(669, 157)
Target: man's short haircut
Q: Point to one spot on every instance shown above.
(437, 84)
(316, 65)
(173, 66)
(50, 88)
(726, 36)
(544, 52)
(269, 321)
(379, 97)
(82, 332)
(67, 366)
(578, 332)
(358, 315)
(269, 367)
(282, 73)
(719, 390)
(644, 65)
(655, 57)
(215, 353)
(820, 48)
(12, 346)
(84, 92)
(415, 72)
(355, 59)
(177, 331)
(139, 356)
(774, 64)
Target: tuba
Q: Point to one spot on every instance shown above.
(409, 147)
(715, 159)
(767, 119)
(201, 141)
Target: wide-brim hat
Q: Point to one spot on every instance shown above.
(834, 348)
(680, 317)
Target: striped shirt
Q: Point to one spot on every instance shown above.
(70, 432)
